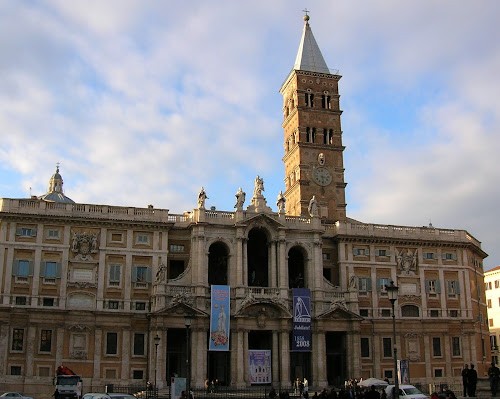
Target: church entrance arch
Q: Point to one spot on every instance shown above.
(217, 264)
(258, 258)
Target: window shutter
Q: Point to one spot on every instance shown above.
(427, 286)
(457, 287)
(367, 251)
(454, 256)
(378, 284)
(33, 232)
(134, 274)
(368, 284)
(438, 287)
(149, 275)
(30, 268)
(15, 268)
(388, 252)
(19, 231)
(355, 251)
(377, 252)
(43, 267)
(360, 283)
(448, 286)
(443, 255)
(58, 269)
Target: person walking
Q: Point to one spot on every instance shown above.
(472, 381)
(494, 375)
(465, 376)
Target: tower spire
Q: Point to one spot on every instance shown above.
(309, 57)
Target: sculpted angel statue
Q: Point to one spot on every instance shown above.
(259, 186)
(202, 196)
(240, 198)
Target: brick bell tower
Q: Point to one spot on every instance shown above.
(313, 136)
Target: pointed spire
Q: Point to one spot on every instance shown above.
(309, 57)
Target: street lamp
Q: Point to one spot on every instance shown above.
(156, 339)
(187, 323)
(392, 292)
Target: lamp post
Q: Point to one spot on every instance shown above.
(156, 339)
(392, 292)
(187, 323)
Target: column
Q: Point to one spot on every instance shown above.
(127, 278)
(275, 358)
(285, 358)
(317, 262)
(320, 338)
(161, 372)
(427, 351)
(4, 348)
(273, 282)
(200, 346)
(101, 270)
(30, 350)
(125, 355)
(237, 367)
(8, 274)
(447, 354)
(245, 262)
(283, 275)
(97, 353)
(355, 349)
(245, 357)
(239, 259)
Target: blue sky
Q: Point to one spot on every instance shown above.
(143, 102)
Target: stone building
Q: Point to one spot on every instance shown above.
(492, 287)
(106, 290)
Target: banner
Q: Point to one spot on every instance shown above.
(301, 320)
(177, 385)
(260, 366)
(219, 318)
(403, 372)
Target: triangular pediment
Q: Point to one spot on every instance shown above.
(339, 312)
(262, 219)
(180, 309)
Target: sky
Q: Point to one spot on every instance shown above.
(143, 102)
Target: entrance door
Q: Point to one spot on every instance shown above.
(336, 360)
(176, 353)
(219, 367)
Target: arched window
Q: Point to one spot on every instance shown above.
(310, 134)
(217, 264)
(296, 268)
(410, 311)
(258, 256)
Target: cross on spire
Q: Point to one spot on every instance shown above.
(306, 11)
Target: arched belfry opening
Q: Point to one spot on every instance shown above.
(218, 264)
(258, 258)
(296, 268)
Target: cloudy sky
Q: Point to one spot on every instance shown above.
(143, 102)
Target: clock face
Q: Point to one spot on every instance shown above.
(322, 176)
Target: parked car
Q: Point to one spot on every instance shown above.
(14, 395)
(405, 392)
(96, 396)
(117, 395)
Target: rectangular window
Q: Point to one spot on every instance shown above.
(496, 283)
(17, 339)
(26, 232)
(365, 347)
(388, 374)
(15, 370)
(364, 284)
(382, 282)
(434, 313)
(491, 322)
(114, 275)
(141, 274)
(116, 237)
(111, 343)
(50, 269)
(453, 288)
(385, 313)
(363, 312)
(176, 248)
(45, 340)
(21, 300)
(176, 268)
(436, 347)
(438, 373)
(361, 252)
(326, 256)
(489, 303)
(454, 313)
(382, 252)
(387, 344)
(138, 374)
(432, 287)
(23, 268)
(113, 304)
(449, 256)
(140, 306)
(429, 255)
(139, 344)
(53, 234)
(48, 302)
(455, 344)
(142, 239)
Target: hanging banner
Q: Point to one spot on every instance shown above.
(301, 320)
(259, 366)
(403, 372)
(219, 318)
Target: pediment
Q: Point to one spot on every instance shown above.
(180, 309)
(339, 312)
(258, 307)
(261, 219)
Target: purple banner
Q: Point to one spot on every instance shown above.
(259, 366)
(301, 320)
(219, 318)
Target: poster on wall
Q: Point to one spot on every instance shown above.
(219, 318)
(259, 366)
(301, 320)
(403, 372)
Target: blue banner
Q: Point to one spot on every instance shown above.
(301, 320)
(259, 362)
(219, 318)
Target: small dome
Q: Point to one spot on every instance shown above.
(55, 192)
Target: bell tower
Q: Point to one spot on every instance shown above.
(313, 136)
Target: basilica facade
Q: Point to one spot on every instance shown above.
(123, 295)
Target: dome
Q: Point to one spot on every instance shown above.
(55, 192)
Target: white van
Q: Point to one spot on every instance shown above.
(405, 392)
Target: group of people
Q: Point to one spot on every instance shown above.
(469, 380)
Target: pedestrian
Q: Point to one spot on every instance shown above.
(56, 394)
(272, 394)
(471, 381)
(465, 376)
(372, 393)
(494, 375)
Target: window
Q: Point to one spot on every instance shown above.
(22, 268)
(497, 283)
(489, 303)
(310, 134)
(26, 232)
(498, 301)
(141, 274)
(387, 344)
(138, 374)
(309, 97)
(176, 248)
(50, 269)
(438, 373)
(361, 252)
(493, 342)
(116, 237)
(364, 285)
(385, 313)
(20, 300)
(365, 347)
(491, 322)
(327, 136)
(111, 343)
(48, 302)
(381, 283)
(326, 256)
(113, 304)
(176, 268)
(15, 370)
(364, 312)
(142, 239)
(17, 339)
(434, 313)
(436, 347)
(140, 306)
(455, 346)
(139, 344)
(45, 340)
(410, 311)
(453, 313)
(325, 101)
(114, 275)
(382, 252)
(53, 234)
(388, 374)
(488, 285)
(429, 255)
(449, 256)
(453, 287)
(432, 287)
